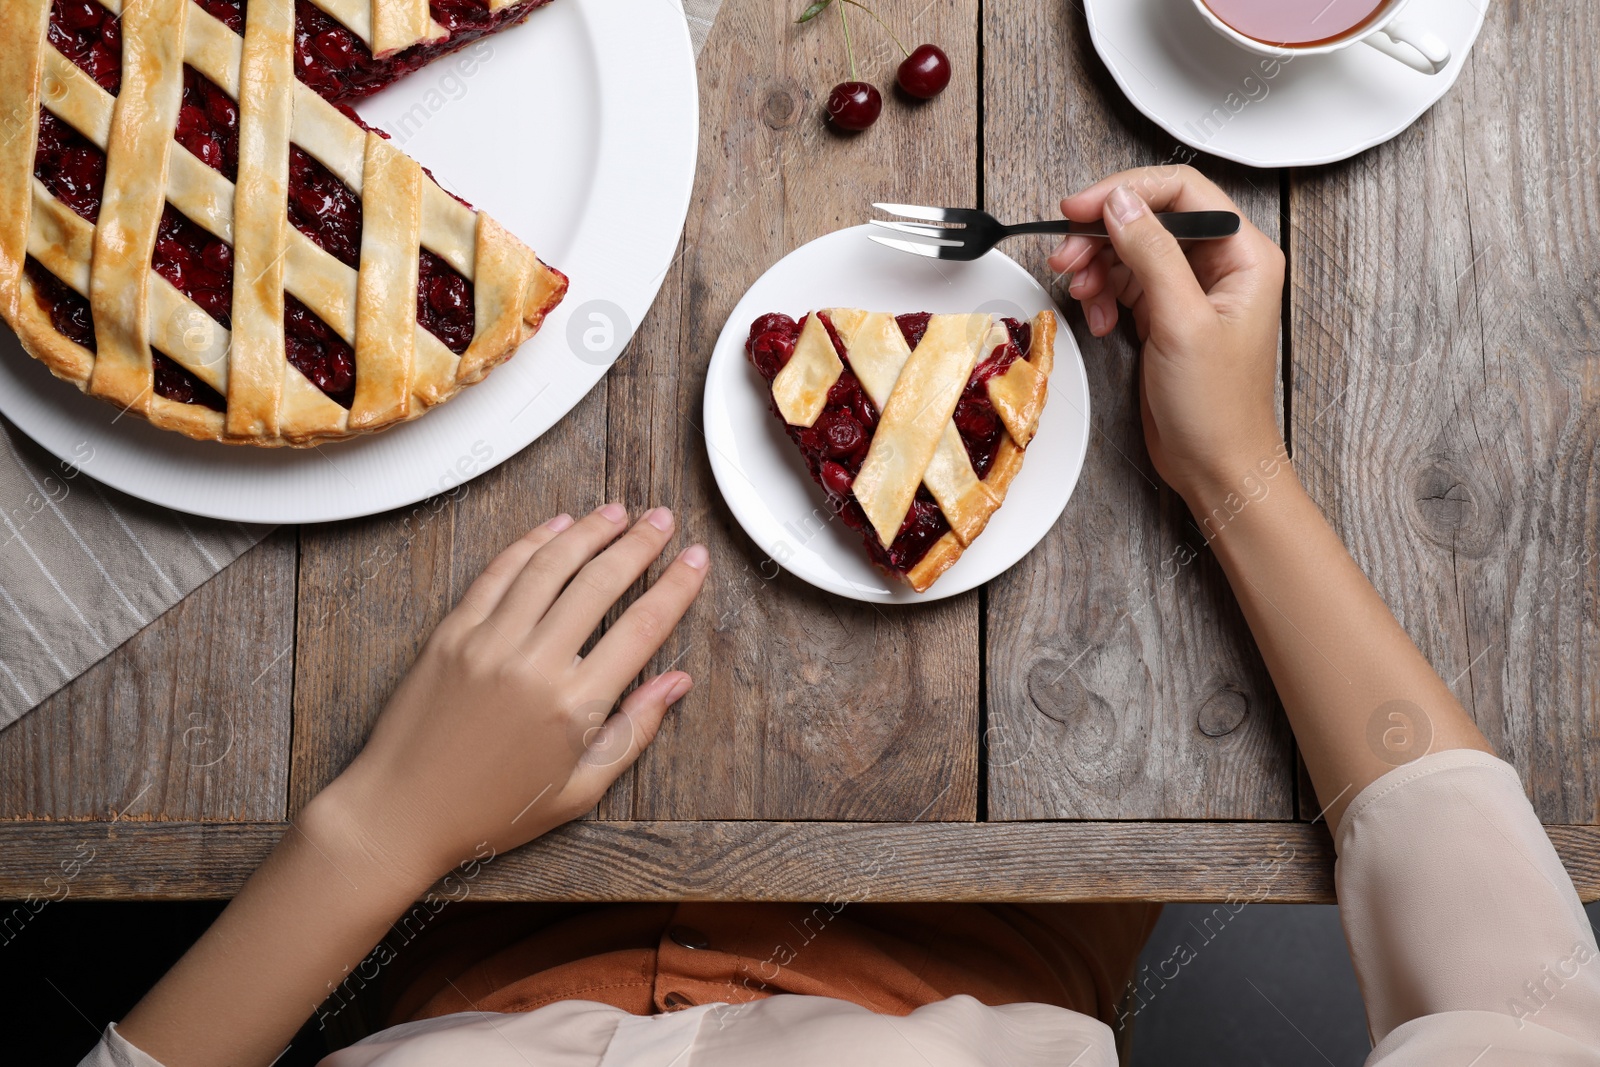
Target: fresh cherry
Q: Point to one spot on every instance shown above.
(925, 72)
(854, 106)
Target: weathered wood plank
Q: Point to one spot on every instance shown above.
(371, 590)
(1446, 386)
(1122, 682)
(807, 705)
(187, 720)
(1286, 862)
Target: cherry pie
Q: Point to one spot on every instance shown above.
(194, 228)
(914, 425)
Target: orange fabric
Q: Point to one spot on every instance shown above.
(888, 958)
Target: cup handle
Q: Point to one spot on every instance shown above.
(1417, 48)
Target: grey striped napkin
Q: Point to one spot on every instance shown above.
(84, 567)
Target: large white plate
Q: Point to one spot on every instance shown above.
(762, 475)
(1212, 95)
(577, 130)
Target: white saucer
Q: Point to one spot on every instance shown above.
(762, 475)
(1212, 95)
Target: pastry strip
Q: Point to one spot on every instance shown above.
(61, 241)
(74, 98)
(800, 389)
(914, 419)
(261, 219)
(1018, 395)
(354, 15)
(136, 179)
(190, 337)
(211, 48)
(398, 24)
(386, 301)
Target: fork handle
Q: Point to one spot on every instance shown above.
(1184, 225)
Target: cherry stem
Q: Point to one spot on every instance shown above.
(879, 21)
(848, 50)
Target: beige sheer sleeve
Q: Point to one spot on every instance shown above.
(1467, 935)
(114, 1051)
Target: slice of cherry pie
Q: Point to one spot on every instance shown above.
(194, 228)
(914, 425)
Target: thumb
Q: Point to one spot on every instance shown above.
(1153, 255)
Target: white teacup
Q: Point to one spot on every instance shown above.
(1414, 45)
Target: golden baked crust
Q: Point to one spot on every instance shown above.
(402, 370)
(940, 558)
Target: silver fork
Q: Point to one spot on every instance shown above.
(961, 233)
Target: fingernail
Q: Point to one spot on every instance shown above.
(680, 687)
(696, 556)
(1060, 249)
(1125, 204)
(559, 523)
(1097, 319)
(661, 519)
(614, 512)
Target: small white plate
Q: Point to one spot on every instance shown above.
(763, 476)
(1214, 96)
(597, 181)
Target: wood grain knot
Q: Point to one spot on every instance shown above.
(780, 108)
(1223, 711)
(1450, 512)
(1057, 692)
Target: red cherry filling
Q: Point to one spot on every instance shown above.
(91, 37)
(323, 208)
(912, 326)
(208, 124)
(923, 526)
(229, 12)
(175, 383)
(444, 302)
(198, 264)
(455, 15)
(319, 353)
(975, 417)
(340, 66)
(71, 166)
(68, 310)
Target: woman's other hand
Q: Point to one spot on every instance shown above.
(1208, 316)
(500, 731)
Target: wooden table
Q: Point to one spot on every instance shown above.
(1096, 722)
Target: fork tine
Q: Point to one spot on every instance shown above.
(940, 235)
(913, 211)
(931, 251)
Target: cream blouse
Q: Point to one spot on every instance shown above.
(1469, 942)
